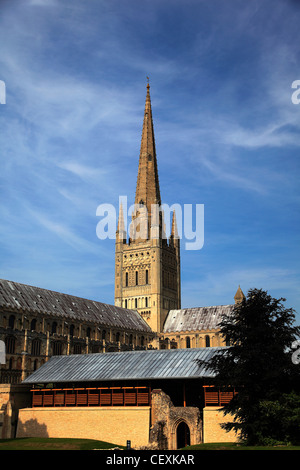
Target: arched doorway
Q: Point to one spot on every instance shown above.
(182, 435)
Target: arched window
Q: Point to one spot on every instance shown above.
(36, 347)
(88, 332)
(57, 348)
(136, 278)
(117, 337)
(10, 344)
(188, 342)
(103, 334)
(125, 303)
(147, 276)
(72, 330)
(207, 341)
(33, 324)
(126, 279)
(146, 302)
(135, 303)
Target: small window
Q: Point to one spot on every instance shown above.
(147, 276)
(188, 342)
(126, 279)
(56, 348)
(10, 344)
(146, 302)
(135, 303)
(125, 303)
(136, 278)
(54, 328)
(77, 348)
(11, 321)
(36, 347)
(207, 341)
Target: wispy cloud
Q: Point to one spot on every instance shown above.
(227, 135)
(220, 287)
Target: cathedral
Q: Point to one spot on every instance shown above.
(36, 324)
(75, 367)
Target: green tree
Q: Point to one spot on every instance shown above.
(259, 365)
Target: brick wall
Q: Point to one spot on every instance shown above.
(212, 431)
(111, 424)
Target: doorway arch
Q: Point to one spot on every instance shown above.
(183, 437)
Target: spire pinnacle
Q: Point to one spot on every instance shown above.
(174, 231)
(147, 187)
(121, 233)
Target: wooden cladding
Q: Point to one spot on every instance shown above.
(216, 397)
(109, 396)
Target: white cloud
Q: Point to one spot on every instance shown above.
(83, 171)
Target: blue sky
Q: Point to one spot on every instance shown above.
(227, 136)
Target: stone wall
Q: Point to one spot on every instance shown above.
(166, 418)
(12, 398)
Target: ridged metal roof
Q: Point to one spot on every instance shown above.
(25, 298)
(193, 319)
(129, 365)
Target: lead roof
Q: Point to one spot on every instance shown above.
(24, 298)
(195, 319)
(128, 365)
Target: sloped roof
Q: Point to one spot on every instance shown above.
(198, 318)
(16, 296)
(128, 365)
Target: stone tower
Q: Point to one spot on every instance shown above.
(147, 263)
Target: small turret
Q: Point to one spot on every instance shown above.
(239, 296)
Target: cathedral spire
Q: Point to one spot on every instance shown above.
(147, 264)
(147, 187)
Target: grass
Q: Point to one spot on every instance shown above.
(232, 446)
(37, 443)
